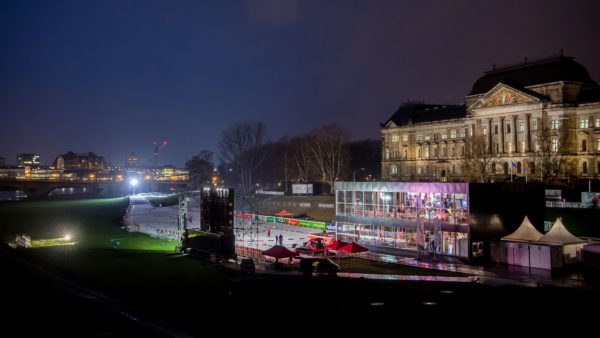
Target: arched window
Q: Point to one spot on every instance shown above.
(554, 167)
(584, 168)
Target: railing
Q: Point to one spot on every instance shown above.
(268, 192)
(574, 205)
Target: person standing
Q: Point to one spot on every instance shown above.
(268, 231)
(280, 239)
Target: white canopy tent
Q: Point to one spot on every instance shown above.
(525, 233)
(559, 235)
(522, 248)
(571, 245)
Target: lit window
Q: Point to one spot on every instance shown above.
(521, 127)
(426, 150)
(534, 124)
(554, 124)
(394, 169)
(554, 145)
(387, 154)
(597, 125)
(598, 144)
(583, 123)
(405, 138)
(444, 135)
(395, 138)
(484, 131)
(463, 132)
(453, 133)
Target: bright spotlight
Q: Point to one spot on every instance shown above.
(67, 237)
(133, 181)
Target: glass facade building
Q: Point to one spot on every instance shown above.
(430, 217)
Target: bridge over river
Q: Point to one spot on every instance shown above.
(40, 188)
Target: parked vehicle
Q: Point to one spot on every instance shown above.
(320, 265)
(247, 266)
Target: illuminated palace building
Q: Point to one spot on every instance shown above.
(535, 115)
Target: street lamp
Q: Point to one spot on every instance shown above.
(133, 182)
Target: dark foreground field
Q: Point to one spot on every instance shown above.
(141, 288)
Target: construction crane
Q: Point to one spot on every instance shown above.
(157, 147)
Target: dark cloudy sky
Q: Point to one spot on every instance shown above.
(113, 76)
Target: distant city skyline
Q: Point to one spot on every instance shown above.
(112, 77)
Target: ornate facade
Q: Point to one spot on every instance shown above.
(508, 108)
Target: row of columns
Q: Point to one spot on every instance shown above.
(514, 131)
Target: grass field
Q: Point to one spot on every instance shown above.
(93, 224)
(131, 267)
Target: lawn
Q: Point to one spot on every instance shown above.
(92, 224)
(140, 270)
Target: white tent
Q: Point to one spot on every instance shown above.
(559, 235)
(522, 248)
(571, 245)
(525, 233)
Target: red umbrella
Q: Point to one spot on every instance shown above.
(278, 251)
(335, 245)
(284, 213)
(352, 247)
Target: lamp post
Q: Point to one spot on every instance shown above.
(133, 182)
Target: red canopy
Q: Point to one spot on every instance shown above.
(352, 247)
(284, 213)
(335, 245)
(278, 251)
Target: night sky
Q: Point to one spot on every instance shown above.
(113, 76)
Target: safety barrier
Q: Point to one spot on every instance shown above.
(282, 220)
(268, 192)
(323, 205)
(168, 233)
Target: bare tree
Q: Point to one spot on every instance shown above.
(551, 143)
(329, 148)
(479, 159)
(200, 168)
(303, 157)
(241, 147)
